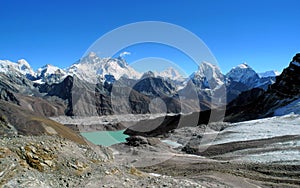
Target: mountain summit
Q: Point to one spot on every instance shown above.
(171, 73)
(22, 67)
(243, 73)
(90, 67)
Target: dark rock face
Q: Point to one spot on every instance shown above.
(256, 103)
(151, 88)
(11, 83)
(8, 96)
(163, 125)
(189, 150)
(119, 97)
(103, 99)
(61, 90)
(136, 141)
(288, 83)
(247, 97)
(234, 89)
(155, 127)
(154, 86)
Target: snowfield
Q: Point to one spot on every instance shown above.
(261, 129)
(293, 107)
(108, 119)
(275, 152)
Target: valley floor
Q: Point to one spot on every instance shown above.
(259, 153)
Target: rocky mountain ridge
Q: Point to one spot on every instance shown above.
(257, 103)
(54, 93)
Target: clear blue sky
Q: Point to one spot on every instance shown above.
(263, 33)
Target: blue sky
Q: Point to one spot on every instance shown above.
(264, 33)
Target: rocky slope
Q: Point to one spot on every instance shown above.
(258, 153)
(49, 161)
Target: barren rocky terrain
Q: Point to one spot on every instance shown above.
(50, 161)
(237, 156)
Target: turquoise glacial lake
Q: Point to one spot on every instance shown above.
(105, 138)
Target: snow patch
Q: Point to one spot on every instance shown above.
(172, 143)
(155, 175)
(260, 129)
(285, 156)
(243, 66)
(170, 73)
(296, 63)
(293, 107)
(267, 74)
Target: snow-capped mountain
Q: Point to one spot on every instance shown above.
(280, 98)
(207, 76)
(50, 74)
(243, 73)
(48, 69)
(91, 67)
(170, 73)
(272, 73)
(242, 78)
(148, 74)
(21, 67)
(201, 86)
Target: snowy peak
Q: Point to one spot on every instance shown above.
(170, 73)
(242, 73)
(91, 58)
(210, 71)
(272, 73)
(243, 66)
(25, 68)
(48, 70)
(245, 75)
(49, 74)
(23, 64)
(208, 76)
(148, 74)
(21, 67)
(91, 67)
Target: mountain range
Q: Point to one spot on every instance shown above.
(91, 67)
(101, 86)
(280, 98)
